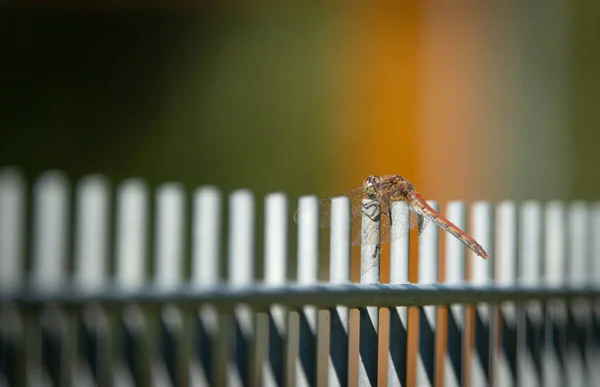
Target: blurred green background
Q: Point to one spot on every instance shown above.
(286, 97)
(199, 96)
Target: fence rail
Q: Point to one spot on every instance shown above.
(95, 290)
(294, 296)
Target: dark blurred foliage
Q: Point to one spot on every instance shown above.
(198, 95)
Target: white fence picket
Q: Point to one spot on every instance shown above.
(369, 316)
(531, 318)
(132, 233)
(50, 254)
(555, 264)
(12, 270)
(578, 318)
(399, 269)
(92, 232)
(308, 270)
(240, 273)
(12, 229)
(169, 239)
(276, 260)
(593, 280)
(206, 236)
(506, 275)
(482, 274)
(455, 274)
(169, 235)
(428, 274)
(206, 240)
(131, 249)
(50, 230)
(339, 273)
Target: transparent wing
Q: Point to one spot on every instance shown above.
(399, 227)
(355, 197)
(357, 209)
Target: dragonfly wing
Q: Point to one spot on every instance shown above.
(401, 222)
(324, 212)
(418, 221)
(355, 197)
(376, 222)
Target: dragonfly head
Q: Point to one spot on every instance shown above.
(369, 185)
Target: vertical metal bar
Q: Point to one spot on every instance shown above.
(578, 320)
(131, 239)
(555, 264)
(531, 318)
(506, 274)
(276, 228)
(456, 212)
(206, 234)
(49, 270)
(308, 271)
(12, 228)
(369, 316)
(91, 262)
(91, 232)
(428, 274)
(12, 276)
(168, 361)
(594, 279)
(51, 214)
(399, 266)
(339, 273)
(131, 252)
(482, 274)
(241, 272)
(169, 235)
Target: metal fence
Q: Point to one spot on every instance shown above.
(95, 290)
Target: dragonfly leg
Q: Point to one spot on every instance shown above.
(368, 206)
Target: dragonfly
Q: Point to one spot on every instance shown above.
(379, 193)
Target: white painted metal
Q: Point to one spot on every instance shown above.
(455, 274)
(576, 274)
(529, 273)
(592, 280)
(399, 270)
(482, 274)
(369, 316)
(339, 273)
(206, 253)
(308, 271)
(276, 228)
(50, 230)
(506, 274)
(555, 264)
(241, 238)
(206, 233)
(12, 229)
(132, 228)
(169, 235)
(428, 274)
(241, 272)
(92, 232)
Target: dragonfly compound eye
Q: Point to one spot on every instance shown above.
(369, 185)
